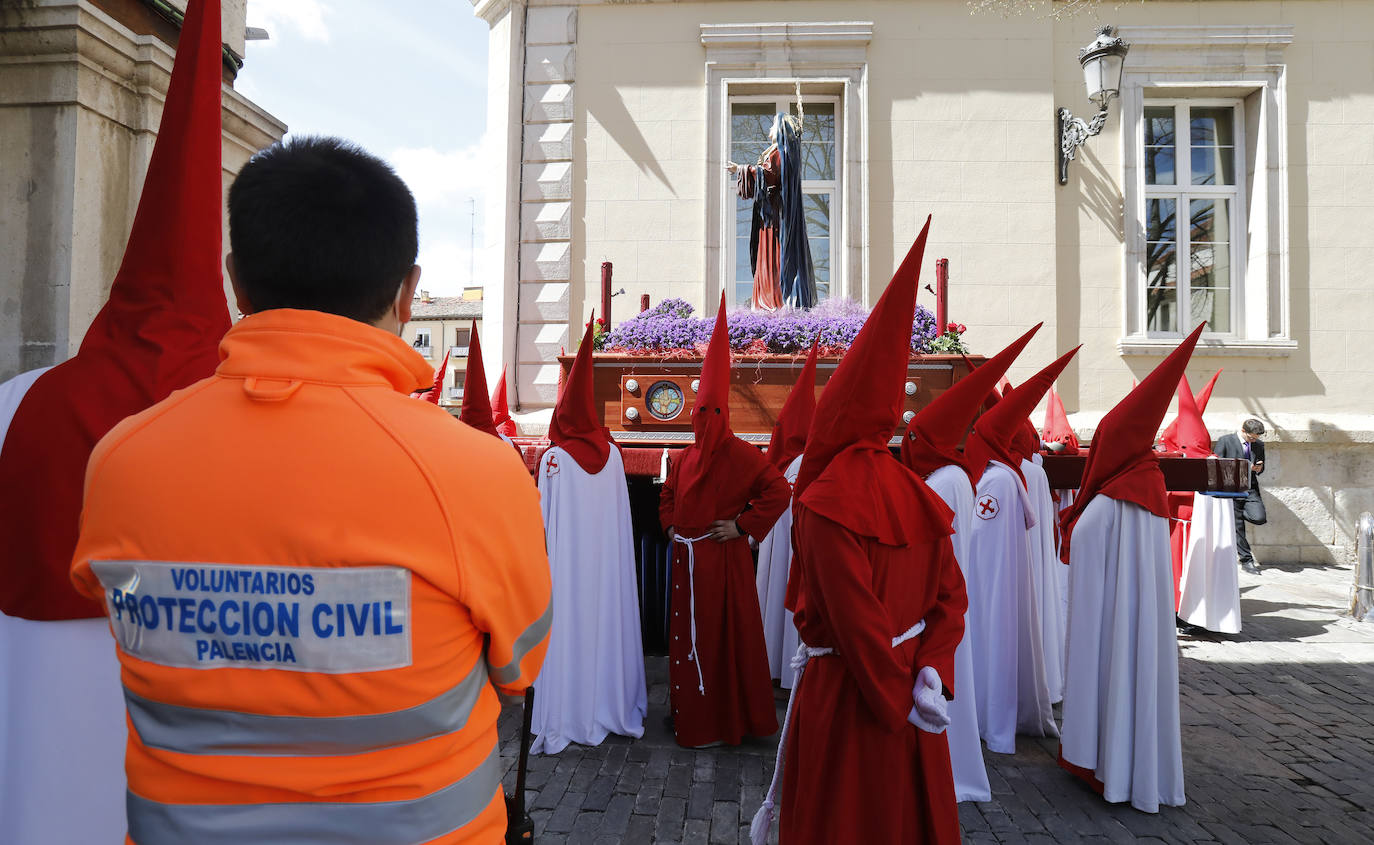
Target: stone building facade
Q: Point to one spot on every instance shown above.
(83, 86)
(614, 121)
(443, 325)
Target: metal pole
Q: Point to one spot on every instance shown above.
(1362, 593)
(472, 240)
(606, 293)
(643, 302)
(941, 294)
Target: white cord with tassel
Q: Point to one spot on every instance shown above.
(763, 818)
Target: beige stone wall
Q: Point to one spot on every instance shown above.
(442, 334)
(960, 125)
(79, 109)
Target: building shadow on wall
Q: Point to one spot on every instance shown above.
(610, 111)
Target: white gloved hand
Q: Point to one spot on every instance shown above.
(931, 711)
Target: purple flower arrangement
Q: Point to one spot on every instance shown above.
(670, 326)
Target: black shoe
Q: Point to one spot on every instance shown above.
(1251, 567)
(1187, 628)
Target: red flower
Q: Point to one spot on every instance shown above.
(953, 327)
(601, 321)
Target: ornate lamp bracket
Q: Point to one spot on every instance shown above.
(1073, 133)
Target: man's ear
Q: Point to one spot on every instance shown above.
(241, 300)
(406, 294)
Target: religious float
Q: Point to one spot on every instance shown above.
(647, 371)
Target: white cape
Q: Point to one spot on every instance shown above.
(1004, 615)
(592, 682)
(965, 751)
(775, 561)
(1121, 711)
(1209, 589)
(62, 730)
(1045, 568)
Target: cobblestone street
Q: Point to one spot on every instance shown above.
(1278, 746)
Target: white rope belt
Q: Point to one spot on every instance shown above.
(692, 598)
(763, 819)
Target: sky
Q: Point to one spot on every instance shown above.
(408, 82)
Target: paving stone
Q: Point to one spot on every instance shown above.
(700, 801)
(671, 815)
(616, 819)
(641, 829)
(584, 828)
(725, 822)
(698, 832)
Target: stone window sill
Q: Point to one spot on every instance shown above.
(1210, 347)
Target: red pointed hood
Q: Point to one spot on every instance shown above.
(933, 435)
(711, 410)
(1205, 395)
(576, 426)
(500, 409)
(1121, 461)
(476, 410)
(158, 332)
(794, 420)
(1190, 432)
(995, 432)
(710, 416)
(1057, 428)
(847, 472)
(1170, 438)
(432, 395)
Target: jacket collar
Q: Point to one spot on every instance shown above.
(312, 346)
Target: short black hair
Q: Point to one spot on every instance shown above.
(1252, 426)
(320, 224)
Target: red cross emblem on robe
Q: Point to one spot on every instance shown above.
(987, 507)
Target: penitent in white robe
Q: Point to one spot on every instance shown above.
(965, 751)
(1004, 615)
(1066, 498)
(1209, 590)
(62, 729)
(1121, 712)
(1045, 568)
(592, 682)
(775, 562)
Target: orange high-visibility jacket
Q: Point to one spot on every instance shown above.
(314, 582)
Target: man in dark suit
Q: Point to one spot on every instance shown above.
(1248, 445)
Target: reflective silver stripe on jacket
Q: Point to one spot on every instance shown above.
(384, 823)
(196, 730)
(531, 637)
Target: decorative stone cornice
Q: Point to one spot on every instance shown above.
(846, 33)
(490, 10)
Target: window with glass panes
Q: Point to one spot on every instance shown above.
(750, 119)
(1193, 173)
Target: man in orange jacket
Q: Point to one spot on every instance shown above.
(316, 583)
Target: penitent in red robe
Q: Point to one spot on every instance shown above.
(872, 559)
(738, 699)
(851, 709)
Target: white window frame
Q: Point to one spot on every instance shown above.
(782, 102)
(1182, 191)
(828, 58)
(425, 336)
(1246, 63)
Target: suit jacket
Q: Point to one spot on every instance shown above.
(1231, 446)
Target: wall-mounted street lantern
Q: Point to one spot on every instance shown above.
(1102, 61)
